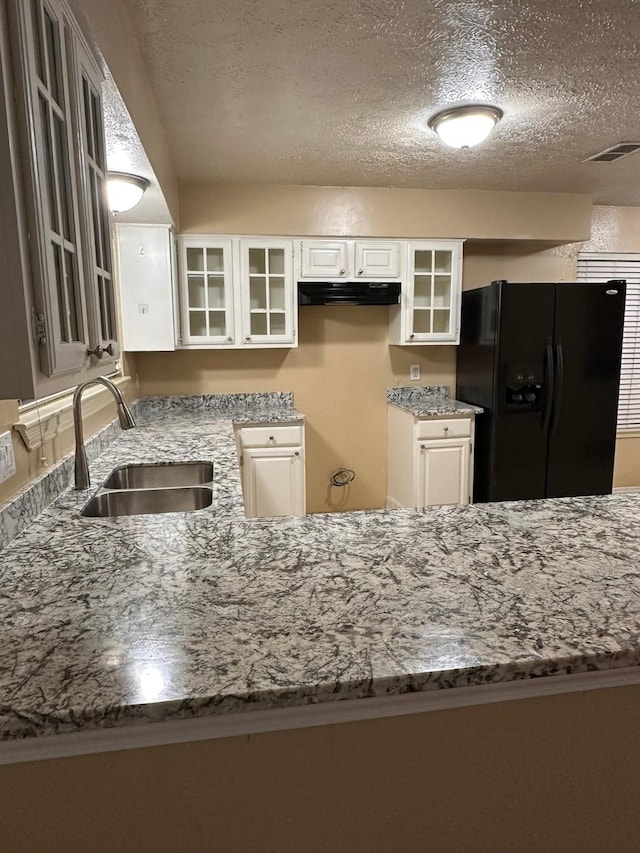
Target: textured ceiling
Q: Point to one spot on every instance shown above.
(337, 92)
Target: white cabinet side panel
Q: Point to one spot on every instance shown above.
(145, 274)
(400, 463)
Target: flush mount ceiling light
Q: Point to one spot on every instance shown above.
(464, 127)
(124, 191)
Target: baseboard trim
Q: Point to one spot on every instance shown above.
(141, 734)
(627, 490)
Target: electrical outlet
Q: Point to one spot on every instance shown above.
(7, 458)
(414, 371)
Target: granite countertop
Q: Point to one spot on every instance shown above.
(429, 401)
(108, 622)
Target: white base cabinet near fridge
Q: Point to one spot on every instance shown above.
(430, 460)
(443, 472)
(273, 477)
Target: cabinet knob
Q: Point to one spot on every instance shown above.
(423, 447)
(98, 352)
(360, 272)
(248, 338)
(341, 272)
(446, 429)
(412, 336)
(230, 339)
(111, 350)
(297, 453)
(272, 438)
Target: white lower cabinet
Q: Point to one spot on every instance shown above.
(272, 465)
(430, 460)
(443, 472)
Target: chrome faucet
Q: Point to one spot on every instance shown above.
(124, 416)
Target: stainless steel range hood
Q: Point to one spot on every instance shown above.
(348, 293)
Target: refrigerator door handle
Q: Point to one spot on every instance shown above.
(549, 386)
(557, 403)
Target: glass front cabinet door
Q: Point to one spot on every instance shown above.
(430, 303)
(206, 292)
(266, 288)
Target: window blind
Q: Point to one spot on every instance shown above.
(599, 267)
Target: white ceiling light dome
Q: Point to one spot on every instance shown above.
(466, 126)
(124, 191)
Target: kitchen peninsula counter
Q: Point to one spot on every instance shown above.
(115, 621)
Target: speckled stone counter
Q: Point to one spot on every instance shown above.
(429, 401)
(109, 622)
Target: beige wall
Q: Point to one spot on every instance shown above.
(518, 261)
(614, 229)
(626, 472)
(383, 212)
(560, 773)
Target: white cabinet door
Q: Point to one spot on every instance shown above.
(377, 259)
(206, 292)
(146, 279)
(443, 472)
(273, 481)
(429, 311)
(266, 292)
(324, 258)
(432, 294)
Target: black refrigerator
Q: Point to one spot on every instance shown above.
(543, 360)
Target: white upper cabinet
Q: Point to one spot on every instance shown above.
(236, 292)
(206, 292)
(350, 259)
(240, 292)
(323, 258)
(266, 292)
(429, 310)
(377, 260)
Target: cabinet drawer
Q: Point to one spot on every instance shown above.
(271, 436)
(444, 428)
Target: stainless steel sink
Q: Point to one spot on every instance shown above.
(147, 501)
(156, 476)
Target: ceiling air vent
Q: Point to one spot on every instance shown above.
(622, 149)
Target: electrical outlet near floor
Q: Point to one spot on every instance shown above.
(7, 457)
(414, 371)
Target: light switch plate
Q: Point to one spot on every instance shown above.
(414, 371)
(7, 457)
